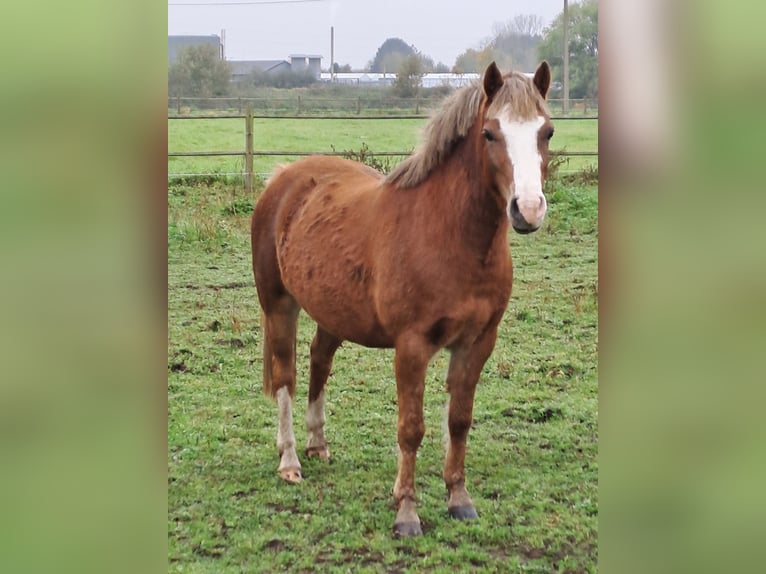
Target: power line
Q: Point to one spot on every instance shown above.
(245, 3)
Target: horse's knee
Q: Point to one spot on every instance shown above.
(459, 424)
(411, 434)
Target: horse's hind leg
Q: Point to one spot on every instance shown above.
(280, 326)
(323, 349)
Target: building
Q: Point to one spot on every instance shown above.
(177, 43)
(376, 79)
(451, 80)
(298, 63)
(303, 62)
(241, 69)
(359, 78)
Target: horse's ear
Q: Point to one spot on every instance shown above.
(493, 81)
(542, 78)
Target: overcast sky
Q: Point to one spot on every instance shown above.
(272, 30)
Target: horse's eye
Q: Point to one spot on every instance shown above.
(488, 135)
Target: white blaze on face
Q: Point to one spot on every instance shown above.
(521, 142)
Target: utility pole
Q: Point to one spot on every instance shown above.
(332, 53)
(565, 67)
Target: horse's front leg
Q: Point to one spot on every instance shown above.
(465, 367)
(411, 361)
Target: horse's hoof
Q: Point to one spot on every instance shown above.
(291, 475)
(463, 513)
(407, 529)
(320, 452)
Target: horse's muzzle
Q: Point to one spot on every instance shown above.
(527, 214)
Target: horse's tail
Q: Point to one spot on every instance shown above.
(266, 356)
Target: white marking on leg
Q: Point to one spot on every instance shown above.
(315, 419)
(397, 488)
(285, 435)
(445, 427)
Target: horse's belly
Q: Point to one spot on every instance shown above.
(322, 259)
(326, 293)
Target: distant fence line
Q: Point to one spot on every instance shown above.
(307, 104)
(249, 152)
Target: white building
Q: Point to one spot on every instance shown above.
(376, 79)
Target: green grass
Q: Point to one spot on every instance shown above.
(532, 453)
(322, 135)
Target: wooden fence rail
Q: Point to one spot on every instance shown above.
(249, 152)
(303, 104)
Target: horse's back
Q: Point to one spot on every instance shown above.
(312, 229)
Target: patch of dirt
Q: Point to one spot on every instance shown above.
(244, 493)
(584, 549)
(275, 545)
(178, 364)
(566, 371)
(535, 415)
(230, 285)
(215, 551)
(234, 343)
(179, 367)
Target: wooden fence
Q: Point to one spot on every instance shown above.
(249, 152)
(371, 102)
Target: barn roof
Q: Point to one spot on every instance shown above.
(244, 67)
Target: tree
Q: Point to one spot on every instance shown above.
(338, 69)
(390, 55)
(519, 39)
(408, 77)
(521, 25)
(583, 48)
(477, 60)
(513, 46)
(199, 72)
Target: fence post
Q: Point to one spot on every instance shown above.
(299, 104)
(178, 105)
(359, 105)
(249, 150)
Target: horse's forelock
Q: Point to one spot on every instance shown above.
(519, 98)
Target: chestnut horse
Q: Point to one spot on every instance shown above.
(418, 261)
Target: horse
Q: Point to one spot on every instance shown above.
(417, 260)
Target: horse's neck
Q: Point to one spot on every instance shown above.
(472, 209)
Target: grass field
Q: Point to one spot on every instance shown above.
(321, 135)
(532, 453)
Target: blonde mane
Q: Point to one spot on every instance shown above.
(456, 117)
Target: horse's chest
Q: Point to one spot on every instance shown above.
(462, 324)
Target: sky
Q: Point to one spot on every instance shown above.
(274, 29)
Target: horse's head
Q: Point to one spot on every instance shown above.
(514, 136)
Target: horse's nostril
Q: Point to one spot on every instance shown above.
(515, 207)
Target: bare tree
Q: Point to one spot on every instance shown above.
(521, 25)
